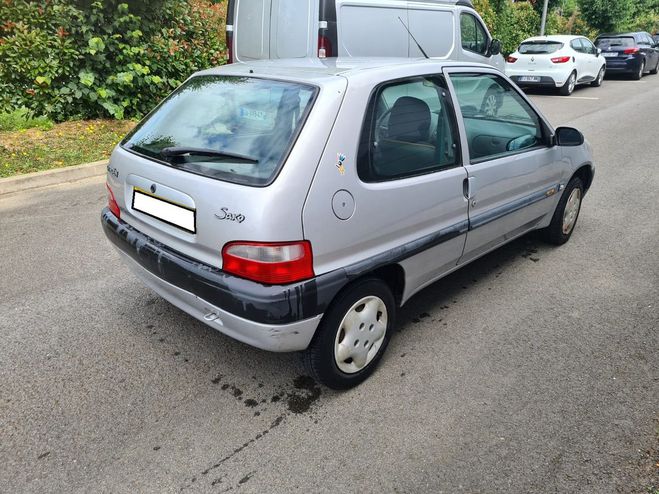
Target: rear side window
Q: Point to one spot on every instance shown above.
(236, 129)
(605, 43)
(473, 34)
(539, 47)
(409, 130)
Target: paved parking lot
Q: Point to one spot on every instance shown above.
(535, 369)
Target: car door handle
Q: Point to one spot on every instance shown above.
(468, 190)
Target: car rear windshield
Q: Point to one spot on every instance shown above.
(615, 42)
(236, 129)
(539, 47)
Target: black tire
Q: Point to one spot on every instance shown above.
(656, 69)
(555, 233)
(637, 76)
(320, 359)
(600, 78)
(492, 101)
(568, 87)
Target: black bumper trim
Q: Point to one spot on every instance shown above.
(545, 81)
(266, 304)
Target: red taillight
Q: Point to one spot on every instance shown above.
(561, 59)
(511, 59)
(112, 203)
(230, 46)
(631, 51)
(324, 47)
(275, 263)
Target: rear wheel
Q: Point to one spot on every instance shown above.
(565, 217)
(656, 69)
(491, 102)
(570, 84)
(600, 78)
(639, 75)
(353, 335)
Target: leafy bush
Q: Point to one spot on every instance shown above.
(69, 60)
(20, 119)
(514, 23)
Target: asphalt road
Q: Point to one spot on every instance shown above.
(535, 369)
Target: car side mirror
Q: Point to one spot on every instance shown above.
(567, 136)
(599, 51)
(495, 47)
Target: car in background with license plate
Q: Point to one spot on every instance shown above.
(297, 208)
(561, 62)
(634, 54)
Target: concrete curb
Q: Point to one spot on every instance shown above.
(52, 177)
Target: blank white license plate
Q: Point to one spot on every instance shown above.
(164, 210)
(610, 54)
(529, 78)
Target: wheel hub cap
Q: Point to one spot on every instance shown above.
(571, 211)
(491, 106)
(360, 334)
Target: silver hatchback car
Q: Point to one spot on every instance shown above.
(297, 206)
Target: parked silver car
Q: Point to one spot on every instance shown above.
(297, 208)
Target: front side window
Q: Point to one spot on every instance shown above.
(514, 128)
(236, 129)
(473, 34)
(409, 130)
(588, 46)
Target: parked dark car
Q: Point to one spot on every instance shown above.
(629, 53)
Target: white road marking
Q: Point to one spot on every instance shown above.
(568, 98)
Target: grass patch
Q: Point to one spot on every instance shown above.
(65, 144)
(21, 119)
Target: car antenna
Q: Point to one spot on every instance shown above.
(410, 33)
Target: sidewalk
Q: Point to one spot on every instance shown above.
(52, 177)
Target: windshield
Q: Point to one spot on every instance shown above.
(539, 47)
(615, 42)
(237, 129)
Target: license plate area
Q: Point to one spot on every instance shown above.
(163, 210)
(529, 78)
(610, 54)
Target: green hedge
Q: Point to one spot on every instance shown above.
(66, 59)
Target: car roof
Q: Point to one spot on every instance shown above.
(563, 38)
(620, 35)
(317, 69)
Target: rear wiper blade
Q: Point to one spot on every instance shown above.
(173, 151)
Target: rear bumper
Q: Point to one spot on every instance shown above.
(545, 81)
(274, 318)
(625, 66)
(555, 76)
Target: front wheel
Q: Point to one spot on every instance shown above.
(600, 78)
(353, 335)
(565, 217)
(570, 84)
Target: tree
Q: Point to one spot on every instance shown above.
(538, 4)
(607, 15)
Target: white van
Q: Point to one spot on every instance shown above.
(443, 29)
